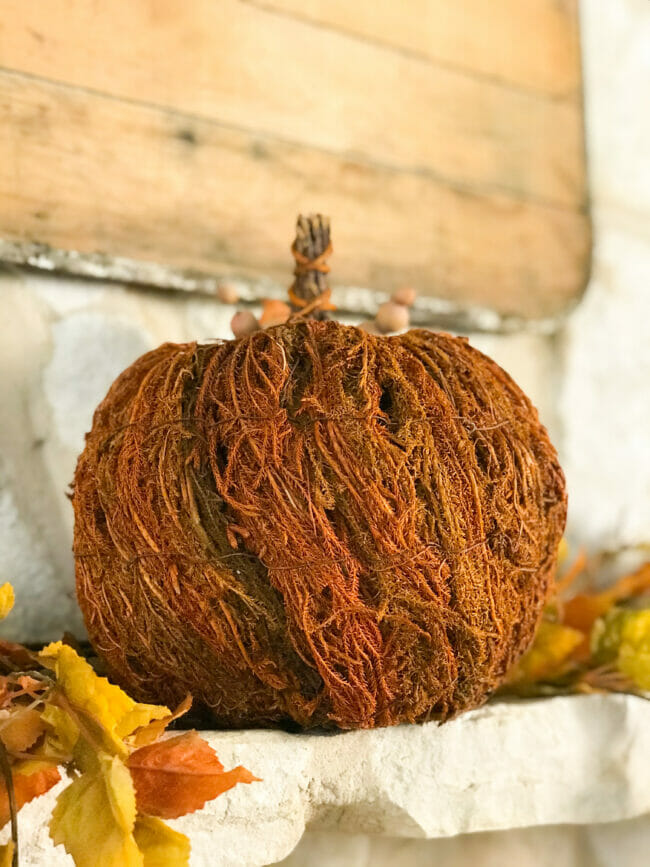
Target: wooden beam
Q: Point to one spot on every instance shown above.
(102, 175)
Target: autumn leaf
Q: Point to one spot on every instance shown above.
(7, 600)
(606, 636)
(549, 655)
(159, 844)
(18, 655)
(71, 715)
(152, 732)
(106, 704)
(584, 609)
(26, 788)
(7, 854)
(177, 776)
(633, 657)
(20, 729)
(94, 817)
(62, 730)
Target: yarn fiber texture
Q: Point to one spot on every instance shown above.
(315, 524)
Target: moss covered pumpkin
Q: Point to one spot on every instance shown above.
(316, 524)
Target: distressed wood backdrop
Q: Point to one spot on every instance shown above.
(174, 141)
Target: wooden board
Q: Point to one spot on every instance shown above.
(528, 44)
(189, 134)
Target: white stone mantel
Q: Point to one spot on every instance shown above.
(568, 760)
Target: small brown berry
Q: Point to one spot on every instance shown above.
(244, 323)
(274, 312)
(227, 293)
(392, 317)
(405, 295)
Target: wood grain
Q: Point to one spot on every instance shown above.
(265, 73)
(528, 44)
(96, 174)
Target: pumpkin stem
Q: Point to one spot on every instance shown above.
(310, 250)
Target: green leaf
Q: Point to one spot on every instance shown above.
(622, 638)
(607, 634)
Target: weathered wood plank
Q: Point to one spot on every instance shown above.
(95, 174)
(278, 76)
(525, 43)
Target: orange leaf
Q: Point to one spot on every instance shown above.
(574, 571)
(26, 788)
(21, 729)
(177, 776)
(583, 610)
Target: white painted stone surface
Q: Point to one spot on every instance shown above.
(616, 61)
(616, 844)
(604, 402)
(578, 760)
(605, 399)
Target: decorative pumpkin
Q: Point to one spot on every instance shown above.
(314, 523)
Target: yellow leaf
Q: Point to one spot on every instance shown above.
(140, 715)
(634, 652)
(550, 653)
(7, 600)
(94, 817)
(106, 704)
(159, 844)
(63, 730)
(150, 733)
(7, 854)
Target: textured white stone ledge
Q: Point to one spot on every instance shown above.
(573, 760)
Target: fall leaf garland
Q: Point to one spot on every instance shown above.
(592, 641)
(126, 777)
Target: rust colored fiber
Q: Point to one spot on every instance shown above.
(316, 524)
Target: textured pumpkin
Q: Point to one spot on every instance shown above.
(316, 524)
